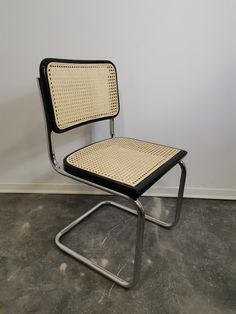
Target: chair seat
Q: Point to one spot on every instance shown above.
(128, 166)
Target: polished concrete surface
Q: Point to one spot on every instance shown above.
(190, 269)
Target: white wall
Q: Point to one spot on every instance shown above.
(176, 65)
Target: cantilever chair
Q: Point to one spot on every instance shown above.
(78, 92)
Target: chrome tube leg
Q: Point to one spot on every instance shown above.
(161, 223)
(180, 194)
(138, 249)
(141, 217)
(139, 242)
(178, 202)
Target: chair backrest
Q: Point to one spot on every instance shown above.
(78, 92)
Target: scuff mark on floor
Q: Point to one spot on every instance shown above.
(157, 208)
(108, 234)
(149, 261)
(113, 285)
(13, 274)
(33, 210)
(25, 228)
(63, 268)
(102, 297)
(104, 262)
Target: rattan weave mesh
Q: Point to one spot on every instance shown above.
(82, 92)
(125, 160)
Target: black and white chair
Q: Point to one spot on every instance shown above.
(77, 92)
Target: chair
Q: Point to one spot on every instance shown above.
(76, 92)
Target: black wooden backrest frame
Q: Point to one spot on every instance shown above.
(47, 99)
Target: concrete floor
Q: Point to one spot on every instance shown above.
(190, 269)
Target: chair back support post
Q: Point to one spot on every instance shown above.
(112, 133)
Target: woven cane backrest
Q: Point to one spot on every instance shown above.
(82, 92)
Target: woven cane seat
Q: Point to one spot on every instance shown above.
(126, 165)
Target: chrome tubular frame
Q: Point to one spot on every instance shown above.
(99, 269)
(139, 211)
(112, 128)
